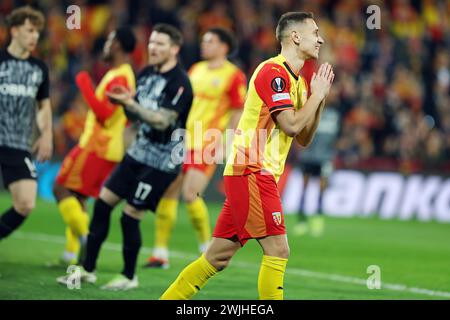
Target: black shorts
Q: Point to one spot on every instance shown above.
(142, 186)
(16, 165)
(313, 169)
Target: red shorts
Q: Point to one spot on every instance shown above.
(252, 208)
(84, 172)
(194, 160)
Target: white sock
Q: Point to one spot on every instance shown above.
(203, 246)
(161, 253)
(67, 256)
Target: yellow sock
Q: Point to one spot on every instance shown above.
(166, 216)
(74, 216)
(190, 280)
(72, 242)
(270, 280)
(200, 219)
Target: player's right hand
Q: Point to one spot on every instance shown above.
(321, 82)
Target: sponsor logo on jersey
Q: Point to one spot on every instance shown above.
(280, 96)
(12, 89)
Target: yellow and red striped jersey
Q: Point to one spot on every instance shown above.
(106, 138)
(216, 92)
(259, 144)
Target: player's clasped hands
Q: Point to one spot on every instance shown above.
(322, 80)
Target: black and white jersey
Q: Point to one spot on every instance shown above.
(22, 83)
(170, 90)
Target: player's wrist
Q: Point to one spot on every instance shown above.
(319, 96)
(131, 105)
(48, 137)
(132, 109)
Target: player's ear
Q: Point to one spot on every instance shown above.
(225, 49)
(115, 45)
(175, 50)
(14, 30)
(295, 36)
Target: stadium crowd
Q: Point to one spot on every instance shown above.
(392, 86)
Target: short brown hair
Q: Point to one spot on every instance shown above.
(289, 18)
(225, 36)
(174, 34)
(18, 17)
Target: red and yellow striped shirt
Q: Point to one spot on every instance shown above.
(216, 92)
(106, 138)
(259, 144)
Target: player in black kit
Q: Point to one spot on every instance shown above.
(24, 83)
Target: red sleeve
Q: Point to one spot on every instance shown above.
(117, 81)
(103, 109)
(272, 84)
(238, 90)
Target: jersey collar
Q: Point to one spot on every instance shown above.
(288, 67)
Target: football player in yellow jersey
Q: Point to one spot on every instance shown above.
(277, 110)
(219, 92)
(101, 145)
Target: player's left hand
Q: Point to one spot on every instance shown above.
(43, 148)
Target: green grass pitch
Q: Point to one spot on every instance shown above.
(414, 260)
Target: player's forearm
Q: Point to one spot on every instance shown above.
(305, 137)
(293, 125)
(101, 109)
(157, 119)
(234, 120)
(44, 119)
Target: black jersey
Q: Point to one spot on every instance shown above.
(171, 90)
(22, 83)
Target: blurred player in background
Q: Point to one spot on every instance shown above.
(162, 102)
(278, 108)
(316, 161)
(219, 92)
(24, 82)
(101, 145)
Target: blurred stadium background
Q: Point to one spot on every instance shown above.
(392, 90)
